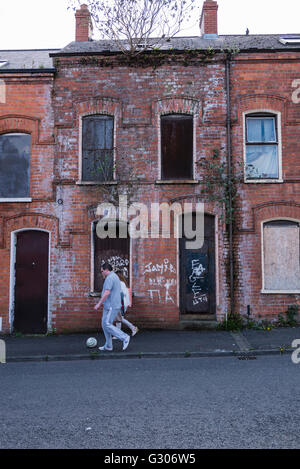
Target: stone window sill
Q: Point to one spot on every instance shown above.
(95, 183)
(263, 181)
(176, 181)
(11, 200)
(280, 292)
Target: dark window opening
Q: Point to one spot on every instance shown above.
(176, 146)
(15, 165)
(97, 148)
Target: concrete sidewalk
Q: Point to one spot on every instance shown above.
(153, 343)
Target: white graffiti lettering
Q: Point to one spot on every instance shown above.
(164, 267)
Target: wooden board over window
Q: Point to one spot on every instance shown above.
(281, 256)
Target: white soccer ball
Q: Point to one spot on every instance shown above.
(91, 342)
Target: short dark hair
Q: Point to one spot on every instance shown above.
(106, 266)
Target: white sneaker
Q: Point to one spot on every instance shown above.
(103, 348)
(135, 331)
(126, 342)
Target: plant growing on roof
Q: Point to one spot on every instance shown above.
(138, 25)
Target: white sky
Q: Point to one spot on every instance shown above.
(42, 24)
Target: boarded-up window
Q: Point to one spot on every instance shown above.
(176, 146)
(97, 148)
(14, 165)
(281, 256)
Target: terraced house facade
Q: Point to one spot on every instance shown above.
(83, 125)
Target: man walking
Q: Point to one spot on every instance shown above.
(111, 301)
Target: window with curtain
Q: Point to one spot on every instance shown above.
(15, 165)
(97, 148)
(176, 146)
(281, 248)
(262, 160)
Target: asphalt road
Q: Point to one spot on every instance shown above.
(189, 403)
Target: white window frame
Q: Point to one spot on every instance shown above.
(277, 116)
(263, 290)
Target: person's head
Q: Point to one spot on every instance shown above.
(106, 269)
(121, 277)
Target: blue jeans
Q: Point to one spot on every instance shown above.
(108, 317)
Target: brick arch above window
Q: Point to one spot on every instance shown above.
(20, 124)
(256, 103)
(271, 210)
(177, 105)
(105, 106)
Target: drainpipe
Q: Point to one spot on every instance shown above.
(229, 172)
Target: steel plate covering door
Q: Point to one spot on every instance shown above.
(197, 274)
(31, 282)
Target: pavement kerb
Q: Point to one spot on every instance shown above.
(110, 356)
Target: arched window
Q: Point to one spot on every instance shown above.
(176, 146)
(14, 166)
(97, 148)
(262, 146)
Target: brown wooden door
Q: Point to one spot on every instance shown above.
(197, 274)
(31, 282)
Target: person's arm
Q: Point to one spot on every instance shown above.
(103, 298)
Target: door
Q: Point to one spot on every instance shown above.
(115, 251)
(31, 282)
(197, 274)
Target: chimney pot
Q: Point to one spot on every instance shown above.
(209, 19)
(84, 26)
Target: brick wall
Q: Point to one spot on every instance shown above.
(136, 97)
(264, 82)
(27, 109)
(51, 111)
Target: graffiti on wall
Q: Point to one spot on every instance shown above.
(161, 280)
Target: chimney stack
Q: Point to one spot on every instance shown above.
(84, 26)
(209, 19)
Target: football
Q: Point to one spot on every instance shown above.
(91, 342)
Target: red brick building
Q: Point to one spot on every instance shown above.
(87, 126)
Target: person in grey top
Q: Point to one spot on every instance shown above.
(111, 301)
